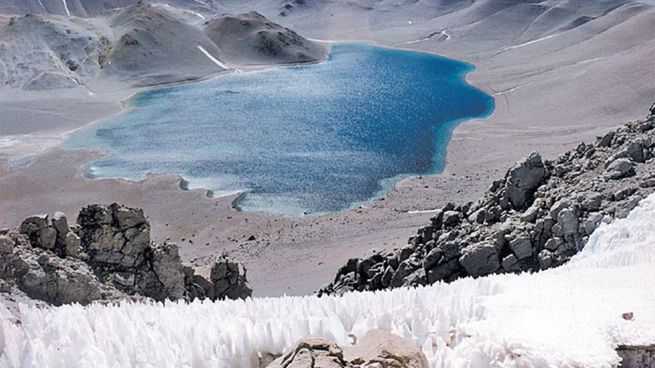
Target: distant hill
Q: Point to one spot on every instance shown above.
(140, 44)
(88, 8)
(150, 46)
(250, 39)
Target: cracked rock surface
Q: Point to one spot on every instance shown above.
(107, 255)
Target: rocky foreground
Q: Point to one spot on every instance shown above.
(537, 217)
(107, 255)
(377, 348)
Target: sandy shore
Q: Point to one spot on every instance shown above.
(549, 97)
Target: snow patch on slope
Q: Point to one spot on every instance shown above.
(568, 316)
(212, 58)
(66, 8)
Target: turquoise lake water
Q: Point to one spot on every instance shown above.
(301, 139)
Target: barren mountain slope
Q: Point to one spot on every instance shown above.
(151, 46)
(46, 52)
(140, 45)
(90, 8)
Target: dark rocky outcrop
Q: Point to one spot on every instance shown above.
(377, 348)
(538, 216)
(228, 280)
(636, 356)
(107, 255)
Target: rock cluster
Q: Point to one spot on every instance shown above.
(377, 348)
(538, 216)
(106, 255)
(636, 356)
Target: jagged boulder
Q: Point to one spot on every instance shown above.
(39, 232)
(161, 276)
(620, 168)
(480, 259)
(521, 247)
(636, 356)
(115, 237)
(523, 179)
(111, 258)
(43, 275)
(228, 281)
(60, 224)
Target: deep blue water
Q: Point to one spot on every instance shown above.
(298, 139)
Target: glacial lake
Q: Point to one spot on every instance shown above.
(300, 139)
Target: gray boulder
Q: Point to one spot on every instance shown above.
(648, 183)
(592, 202)
(229, 280)
(6, 245)
(43, 275)
(72, 245)
(606, 140)
(523, 179)
(33, 224)
(559, 206)
(530, 215)
(620, 168)
(547, 259)
(39, 232)
(635, 151)
(161, 276)
(405, 268)
(623, 193)
(115, 237)
(521, 247)
(553, 243)
(592, 222)
(568, 221)
(433, 258)
(480, 259)
(60, 223)
(510, 263)
(451, 218)
(127, 217)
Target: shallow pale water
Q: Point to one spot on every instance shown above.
(297, 139)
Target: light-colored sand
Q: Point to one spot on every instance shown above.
(553, 89)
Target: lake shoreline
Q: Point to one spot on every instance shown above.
(136, 132)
